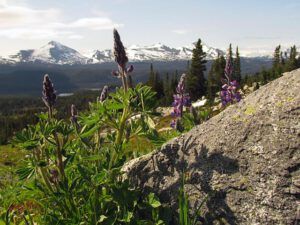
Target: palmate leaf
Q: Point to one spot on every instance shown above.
(27, 139)
(25, 172)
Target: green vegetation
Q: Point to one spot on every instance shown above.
(18, 112)
(64, 166)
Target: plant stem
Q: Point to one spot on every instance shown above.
(119, 137)
(60, 164)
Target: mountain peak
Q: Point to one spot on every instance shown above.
(54, 43)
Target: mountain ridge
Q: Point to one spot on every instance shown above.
(56, 53)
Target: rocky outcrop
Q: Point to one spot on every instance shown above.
(246, 160)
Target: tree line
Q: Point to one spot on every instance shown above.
(198, 85)
(17, 113)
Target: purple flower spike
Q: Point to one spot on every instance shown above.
(119, 51)
(228, 68)
(181, 99)
(229, 93)
(49, 94)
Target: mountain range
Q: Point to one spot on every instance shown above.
(57, 53)
(71, 70)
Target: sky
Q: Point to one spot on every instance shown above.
(254, 26)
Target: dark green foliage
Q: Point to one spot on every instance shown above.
(196, 82)
(155, 82)
(237, 75)
(18, 112)
(292, 62)
(214, 77)
(281, 63)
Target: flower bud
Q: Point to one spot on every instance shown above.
(49, 94)
(104, 94)
(130, 69)
(119, 51)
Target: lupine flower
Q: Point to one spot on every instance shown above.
(73, 113)
(49, 94)
(119, 51)
(229, 93)
(122, 59)
(181, 99)
(176, 124)
(228, 68)
(104, 94)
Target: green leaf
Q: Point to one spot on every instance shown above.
(127, 217)
(150, 122)
(92, 158)
(153, 201)
(102, 218)
(25, 172)
(90, 132)
(100, 178)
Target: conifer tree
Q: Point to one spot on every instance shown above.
(292, 59)
(214, 77)
(237, 67)
(230, 53)
(196, 82)
(277, 63)
(155, 82)
(277, 56)
(168, 92)
(151, 78)
(174, 82)
(158, 86)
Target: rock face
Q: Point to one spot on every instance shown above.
(246, 160)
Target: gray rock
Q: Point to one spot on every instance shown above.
(246, 160)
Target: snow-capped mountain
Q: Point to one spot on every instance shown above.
(57, 53)
(156, 52)
(53, 53)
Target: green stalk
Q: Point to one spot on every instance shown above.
(120, 134)
(60, 164)
(42, 171)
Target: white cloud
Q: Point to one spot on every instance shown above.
(180, 31)
(26, 23)
(95, 23)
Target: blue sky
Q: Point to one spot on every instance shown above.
(256, 25)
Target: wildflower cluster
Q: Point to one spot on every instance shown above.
(229, 93)
(181, 99)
